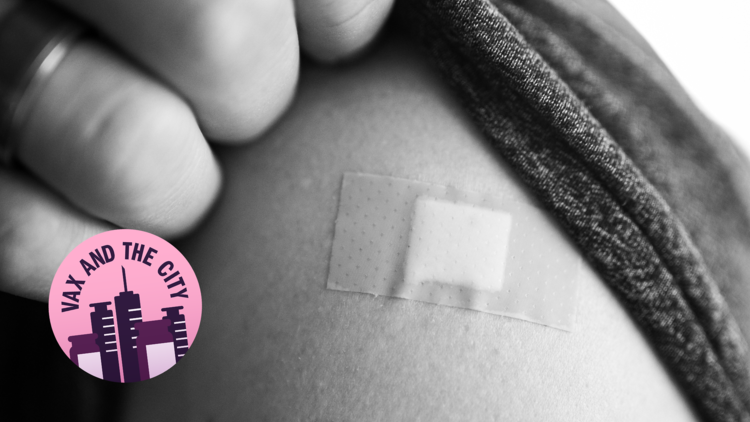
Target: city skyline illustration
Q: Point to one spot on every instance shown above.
(116, 331)
(125, 305)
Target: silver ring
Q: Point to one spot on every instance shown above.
(34, 39)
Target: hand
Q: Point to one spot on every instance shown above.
(118, 134)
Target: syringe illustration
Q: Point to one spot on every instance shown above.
(178, 330)
(128, 308)
(103, 324)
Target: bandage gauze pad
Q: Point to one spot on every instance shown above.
(436, 244)
(457, 244)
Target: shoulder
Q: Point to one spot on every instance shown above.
(276, 344)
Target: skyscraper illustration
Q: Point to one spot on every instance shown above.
(103, 324)
(128, 309)
(178, 330)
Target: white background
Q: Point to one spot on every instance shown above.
(706, 45)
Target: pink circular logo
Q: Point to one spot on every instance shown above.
(125, 306)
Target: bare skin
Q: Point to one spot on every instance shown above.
(275, 344)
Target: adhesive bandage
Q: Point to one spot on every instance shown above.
(437, 244)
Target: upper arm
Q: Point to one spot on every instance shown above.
(276, 344)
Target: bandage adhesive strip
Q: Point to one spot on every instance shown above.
(432, 243)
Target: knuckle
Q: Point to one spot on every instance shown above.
(37, 230)
(244, 59)
(217, 34)
(226, 34)
(340, 13)
(340, 29)
(24, 232)
(11, 243)
(150, 156)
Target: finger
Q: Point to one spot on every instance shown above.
(119, 145)
(332, 30)
(37, 231)
(236, 61)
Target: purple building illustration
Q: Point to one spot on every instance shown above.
(155, 347)
(103, 324)
(128, 310)
(85, 353)
(178, 329)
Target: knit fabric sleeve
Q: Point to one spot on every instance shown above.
(610, 144)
